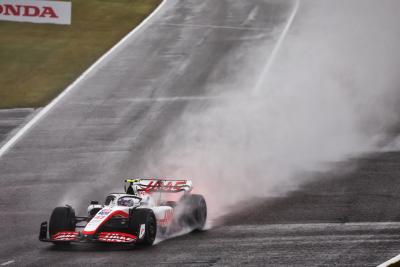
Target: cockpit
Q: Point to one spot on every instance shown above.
(127, 201)
(124, 200)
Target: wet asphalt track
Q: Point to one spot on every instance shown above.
(11, 120)
(96, 135)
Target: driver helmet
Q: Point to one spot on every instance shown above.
(125, 201)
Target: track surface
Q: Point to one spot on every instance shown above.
(262, 245)
(11, 119)
(360, 194)
(97, 135)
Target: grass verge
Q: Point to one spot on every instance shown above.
(38, 61)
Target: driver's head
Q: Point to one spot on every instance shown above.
(125, 201)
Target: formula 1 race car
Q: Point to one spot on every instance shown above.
(131, 217)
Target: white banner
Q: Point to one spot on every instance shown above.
(36, 11)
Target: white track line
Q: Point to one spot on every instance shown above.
(7, 263)
(50, 106)
(274, 52)
(391, 261)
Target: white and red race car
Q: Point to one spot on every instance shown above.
(131, 217)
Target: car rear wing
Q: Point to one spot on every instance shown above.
(161, 185)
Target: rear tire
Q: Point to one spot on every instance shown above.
(61, 219)
(194, 211)
(146, 217)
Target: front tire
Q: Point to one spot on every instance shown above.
(61, 219)
(147, 218)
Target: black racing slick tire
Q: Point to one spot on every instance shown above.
(147, 218)
(194, 211)
(62, 219)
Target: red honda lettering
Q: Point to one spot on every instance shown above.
(12, 10)
(31, 11)
(48, 11)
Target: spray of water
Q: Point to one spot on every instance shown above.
(332, 93)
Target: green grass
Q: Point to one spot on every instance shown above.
(38, 61)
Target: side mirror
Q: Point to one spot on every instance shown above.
(93, 202)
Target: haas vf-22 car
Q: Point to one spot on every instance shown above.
(134, 216)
